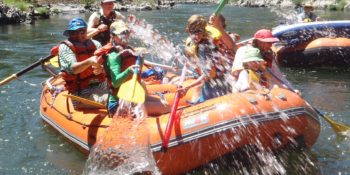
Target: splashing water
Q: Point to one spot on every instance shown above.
(257, 159)
(157, 44)
(289, 16)
(124, 147)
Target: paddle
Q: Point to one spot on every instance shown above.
(173, 111)
(132, 90)
(85, 101)
(32, 66)
(221, 5)
(337, 127)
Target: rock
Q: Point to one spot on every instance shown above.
(68, 8)
(347, 7)
(10, 15)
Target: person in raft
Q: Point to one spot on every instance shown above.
(205, 60)
(228, 42)
(119, 60)
(99, 22)
(253, 76)
(263, 40)
(308, 15)
(80, 70)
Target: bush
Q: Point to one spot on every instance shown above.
(88, 2)
(22, 5)
(339, 6)
(43, 11)
(298, 2)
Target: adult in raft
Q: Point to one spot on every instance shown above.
(209, 66)
(263, 40)
(99, 22)
(308, 15)
(227, 45)
(80, 70)
(119, 61)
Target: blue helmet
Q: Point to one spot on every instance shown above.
(75, 24)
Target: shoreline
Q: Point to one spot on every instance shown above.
(13, 15)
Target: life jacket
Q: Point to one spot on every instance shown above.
(82, 51)
(192, 48)
(104, 37)
(259, 77)
(307, 20)
(128, 59)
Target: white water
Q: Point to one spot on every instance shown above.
(130, 151)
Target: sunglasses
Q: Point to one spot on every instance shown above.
(196, 31)
(79, 32)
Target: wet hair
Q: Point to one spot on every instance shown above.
(223, 20)
(196, 22)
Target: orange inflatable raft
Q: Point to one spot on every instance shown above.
(202, 132)
(327, 52)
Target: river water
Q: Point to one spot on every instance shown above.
(29, 146)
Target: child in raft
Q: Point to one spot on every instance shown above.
(207, 61)
(119, 61)
(253, 75)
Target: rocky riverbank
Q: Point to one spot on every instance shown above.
(11, 15)
(318, 4)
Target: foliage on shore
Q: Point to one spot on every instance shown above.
(23, 5)
(20, 4)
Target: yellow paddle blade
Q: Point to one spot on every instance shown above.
(337, 127)
(85, 101)
(54, 61)
(132, 91)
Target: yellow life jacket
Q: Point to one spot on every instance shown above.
(256, 78)
(307, 20)
(192, 48)
(213, 32)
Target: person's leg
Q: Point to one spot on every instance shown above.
(155, 107)
(98, 93)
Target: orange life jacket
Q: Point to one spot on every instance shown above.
(82, 51)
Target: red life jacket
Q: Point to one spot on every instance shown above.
(82, 51)
(128, 60)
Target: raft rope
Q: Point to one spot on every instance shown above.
(54, 90)
(69, 117)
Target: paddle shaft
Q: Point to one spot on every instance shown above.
(220, 7)
(25, 70)
(86, 101)
(171, 121)
(173, 111)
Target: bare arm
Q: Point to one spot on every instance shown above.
(81, 66)
(225, 37)
(93, 28)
